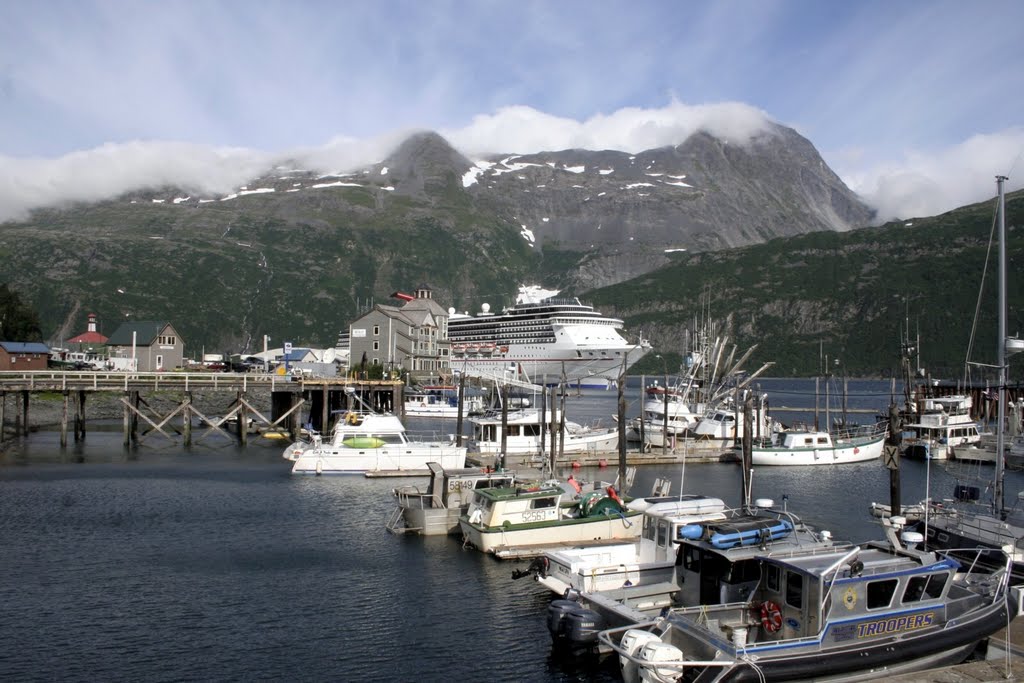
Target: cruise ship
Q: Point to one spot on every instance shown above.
(538, 338)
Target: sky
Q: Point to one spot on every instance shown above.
(915, 104)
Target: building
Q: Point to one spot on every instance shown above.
(90, 341)
(18, 356)
(154, 345)
(413, 336)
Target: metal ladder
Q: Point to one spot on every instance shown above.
(395, 524)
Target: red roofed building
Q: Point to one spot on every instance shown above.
(90, 340)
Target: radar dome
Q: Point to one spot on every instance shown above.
(486, 308)
(451, 310)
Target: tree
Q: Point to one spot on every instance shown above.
(18, 321)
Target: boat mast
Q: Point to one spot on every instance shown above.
(998, 498)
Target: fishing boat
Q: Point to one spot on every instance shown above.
(722, 424)
(436, 510)
(966, 522)
(441, 402)
(942, 426)
(371, 443)
(808, 446)
(912, 513)
(639, 575)
(524, 432)
(525, 521)
(541, 335)
(799, 607)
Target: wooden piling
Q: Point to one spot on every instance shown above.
(64, 420)
(186, 419)
(127, 424)
(24, 412)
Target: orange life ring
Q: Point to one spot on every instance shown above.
(771, 616)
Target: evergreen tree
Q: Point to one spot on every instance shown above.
(18, 321)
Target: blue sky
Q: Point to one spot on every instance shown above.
(916, 104)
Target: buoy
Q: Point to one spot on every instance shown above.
(319, 466)
(575, 464)
(602, 463)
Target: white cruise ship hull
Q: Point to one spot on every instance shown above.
(546, 364)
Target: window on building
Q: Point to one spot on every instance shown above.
(166, 340)
(376, 330)
(376, 346)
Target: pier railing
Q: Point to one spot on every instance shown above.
(60, 380)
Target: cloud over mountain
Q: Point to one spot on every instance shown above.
(920, 184)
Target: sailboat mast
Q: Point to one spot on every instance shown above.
(998, 498)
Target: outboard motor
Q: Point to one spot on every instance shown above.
(583, 625)
(558, 613)
(631, 642)
(653, 654)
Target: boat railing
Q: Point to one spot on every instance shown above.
(432, 436)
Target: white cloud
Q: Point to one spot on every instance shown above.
(915, 184)
(926, 184)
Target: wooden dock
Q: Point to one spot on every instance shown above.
(293, 401)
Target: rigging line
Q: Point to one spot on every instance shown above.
(981, 289)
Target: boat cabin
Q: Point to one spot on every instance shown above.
(494, 507)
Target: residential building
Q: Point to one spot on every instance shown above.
(154, 344)
(19, 356)
(413, 336)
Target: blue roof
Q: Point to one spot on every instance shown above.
(296, 354)
(25, 347)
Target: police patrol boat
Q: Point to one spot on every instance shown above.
(764, 609)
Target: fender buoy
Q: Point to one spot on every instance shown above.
(613, 495)
(771, 616)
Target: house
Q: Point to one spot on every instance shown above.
(23, 356)
(90, 341)
(154, 344)
(413, 336)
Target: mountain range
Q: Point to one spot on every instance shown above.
(296, 254)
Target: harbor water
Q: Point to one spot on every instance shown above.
(216, 564)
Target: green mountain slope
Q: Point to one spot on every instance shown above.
(844, 295)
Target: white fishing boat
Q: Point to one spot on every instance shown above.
(808, 446)
(437, 509)
(541, 335)
(912, 513)
(639, 575)
(758, 605)
(442, 402)
(943, 425)
(524, 430)
(723, 424)
(525, 521)
(370, 442)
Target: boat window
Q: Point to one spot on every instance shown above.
(772, 578)
(531, 430)
(880, 593)
(513, 430)
(389, 438)
(743, 571)
(925, 587)
(691, 558)
(794, 589)
(538, 503)
(822, 440)
(808, 441)
(663, 534)
(649, 525)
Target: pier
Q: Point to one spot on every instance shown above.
(293, 401)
